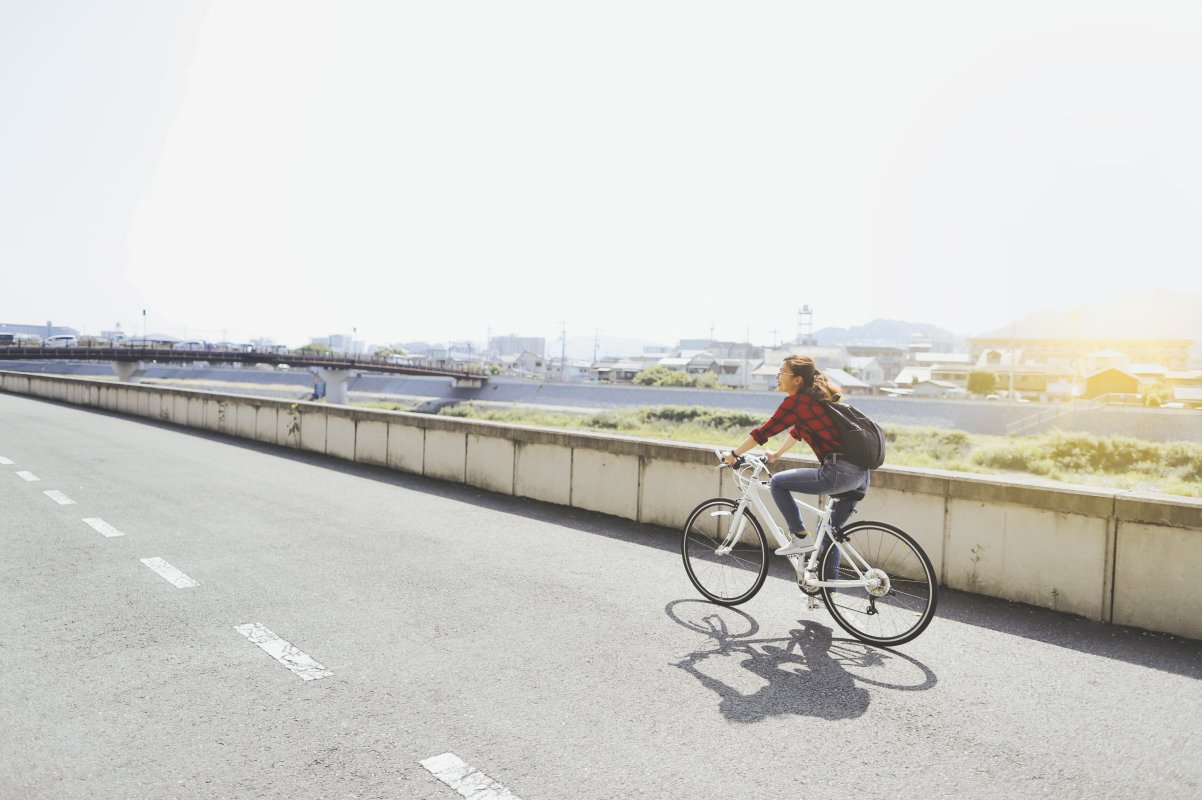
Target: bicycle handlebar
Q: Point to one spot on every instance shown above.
(757, 460)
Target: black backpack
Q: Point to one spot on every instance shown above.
(863, 439)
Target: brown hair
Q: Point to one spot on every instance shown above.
(814, 383)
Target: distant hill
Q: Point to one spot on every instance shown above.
(1146, 315)
(888, 333)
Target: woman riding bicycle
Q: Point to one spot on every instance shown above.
(808, 420)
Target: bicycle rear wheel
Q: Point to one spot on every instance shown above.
(904, 604)
(726, 576)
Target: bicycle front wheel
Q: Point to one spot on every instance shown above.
(902, 606)
(725, 569)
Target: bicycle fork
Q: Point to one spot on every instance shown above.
(736, 530)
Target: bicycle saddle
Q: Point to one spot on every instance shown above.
(854, 494)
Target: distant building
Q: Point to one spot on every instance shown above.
(736, 371)
(719, 349)
(525, 363)
(40, 331)
(622, 371)
(338, 342)
(825, 356)
(912, 375)
(933, 388)
(1110, 381)
(890, 359)
(867, 369)
(1174, 354)
(675, 363)
(514, 345)
(701, 364)
(850, 384)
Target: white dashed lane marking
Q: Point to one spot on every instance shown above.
(283, 652)
(27, 475)
(466, 779)
(169, 572)
(4, 460)
(59, 497)
(103, 527)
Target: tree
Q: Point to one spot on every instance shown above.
(315, 347)
(981, 381)
(662, 376)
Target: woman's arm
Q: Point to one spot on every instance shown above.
(784, 448)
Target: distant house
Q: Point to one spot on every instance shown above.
(867, 369)
(849, 383)
(701, 364)
(934, 388)
(912, 375)
(1110, 381)
(675, 363)
(763, 377)
(576, 372)
(525, 363)
(620, 371)
(736, 371)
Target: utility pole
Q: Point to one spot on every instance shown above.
(1013, 345)
(747, 359)
(563, 352)
(596, 337)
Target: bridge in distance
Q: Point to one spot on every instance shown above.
(335, 370)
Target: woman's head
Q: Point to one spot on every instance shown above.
(799, 375)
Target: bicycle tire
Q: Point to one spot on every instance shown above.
(728, 578)
(907, 607)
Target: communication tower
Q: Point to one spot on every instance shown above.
(805, 326)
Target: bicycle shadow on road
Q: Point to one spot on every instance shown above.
(807, 673)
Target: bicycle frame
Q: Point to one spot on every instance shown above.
(752, 485)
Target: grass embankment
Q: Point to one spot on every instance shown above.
(1115, 462)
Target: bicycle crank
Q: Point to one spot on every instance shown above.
(806, 582)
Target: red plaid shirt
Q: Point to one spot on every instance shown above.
(811, 424)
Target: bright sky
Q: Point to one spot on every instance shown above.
(438, 170)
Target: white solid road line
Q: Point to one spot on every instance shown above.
(4, 460)
(59, 497)
(466, 779)
(27, 475)
(283, 652)
(170, 573)
(103, 527)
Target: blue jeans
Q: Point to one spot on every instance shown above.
(835, 476)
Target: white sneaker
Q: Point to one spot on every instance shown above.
(796, 546)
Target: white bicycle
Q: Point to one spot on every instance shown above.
(876, 581)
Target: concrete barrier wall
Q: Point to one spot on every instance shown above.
(1117, 557)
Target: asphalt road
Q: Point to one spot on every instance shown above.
(557, 653)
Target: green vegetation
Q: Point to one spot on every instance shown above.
(981, 381)
(1115, 462)
(662, 376)
(315, 347)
